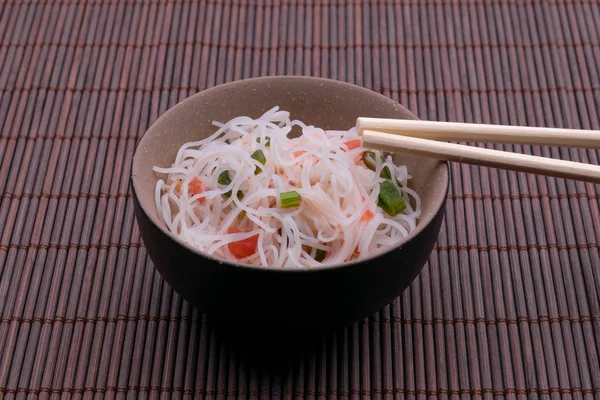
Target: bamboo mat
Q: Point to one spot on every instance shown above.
(508, 305)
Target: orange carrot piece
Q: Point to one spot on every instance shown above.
(367, 216)
(298, 153)
(353, 144)
(195, 188)
(243, 248)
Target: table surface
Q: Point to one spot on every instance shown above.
(508, 305)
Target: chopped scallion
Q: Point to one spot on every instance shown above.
(240, 194)
(390, 199)
(259, 156)
(267, 141)
(320, 255)
(224, 178)
(290, 199)
(385, 173)
(368, 159)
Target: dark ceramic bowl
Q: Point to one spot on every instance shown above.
(330, 295)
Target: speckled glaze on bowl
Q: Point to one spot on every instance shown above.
(327, 295)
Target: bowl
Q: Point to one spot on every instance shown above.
(326, 296)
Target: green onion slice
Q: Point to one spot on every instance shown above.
(390, 199)
(259, 156)
(320, 255)
(267, 141)
(224, 178)
(385, 173)
(368, 159)
(290, 199)
(240, 194)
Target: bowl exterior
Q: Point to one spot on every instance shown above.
(333, 297)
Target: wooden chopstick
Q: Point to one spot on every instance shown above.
(480, 156)
(481, 133)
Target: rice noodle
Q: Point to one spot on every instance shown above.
(335, 187)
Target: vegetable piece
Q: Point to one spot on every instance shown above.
(240, 194)
(368, 158)
(352, 144)
(385, 173)
(367, 216)
(320, 255)
(259, 156)
(224, 178)
(290, 199)
(195, 188)
(267, 141)
(298, 153)
(242, 248)
(390, 199)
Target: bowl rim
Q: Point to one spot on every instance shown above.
(421, 225)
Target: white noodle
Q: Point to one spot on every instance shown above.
(335, 188)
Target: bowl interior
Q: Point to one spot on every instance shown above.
(323, 103)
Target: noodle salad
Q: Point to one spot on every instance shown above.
(249, 193)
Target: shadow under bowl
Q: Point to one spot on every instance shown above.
(319, 297)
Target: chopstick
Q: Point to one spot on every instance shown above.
(398, 143)
(483, 133)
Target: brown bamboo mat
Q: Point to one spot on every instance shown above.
(508, 305)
